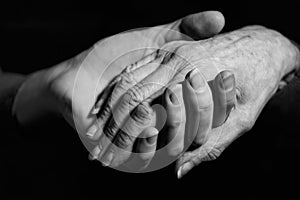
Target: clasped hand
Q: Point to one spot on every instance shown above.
(211, 90)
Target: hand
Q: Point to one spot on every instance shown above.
(256, 83)
(193, 107)
(207, 107)
(71, 87)
(258, 57)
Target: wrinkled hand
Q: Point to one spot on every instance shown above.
(77, 82)
(258, 57)
(191, 109)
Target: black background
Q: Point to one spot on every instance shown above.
(51, 161)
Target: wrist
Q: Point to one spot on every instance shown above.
(10, 83)
(33, 99)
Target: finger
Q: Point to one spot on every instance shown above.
(149, 88)
(196, 26)
(191, 159)
(223, 90)
(199, 104)
(203, 25)
(206, 152)
(145, 150)
(147, 143)
(218, 140)
(175, 120)
(224, 96)
(118, 152)
(129, 77)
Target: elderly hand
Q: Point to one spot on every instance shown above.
(71, 87)
(190, 111)
(258, 57)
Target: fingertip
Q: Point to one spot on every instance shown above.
(216, 19)
(203, 25)
(149, 138)
(186, 167)
(179, 173)
(151, 134)
(145, 150)
(147, 145)
(227, 80)
(107, 160)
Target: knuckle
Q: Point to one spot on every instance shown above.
(124, 140)
(106, 111)
(127, 79)
(134, 96)
(204, 108)
(142, 114)
(122, 86)
(111, 128)
(172, 56)
(211, 154)
(127, 103)
(168, 57)
(205, 100)
(202, 105)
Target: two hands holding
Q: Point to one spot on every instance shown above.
(211, 91)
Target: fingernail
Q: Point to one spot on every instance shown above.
(108, 159)
(179, 172)
(151, 140)
(227, 81)
(186, 167)
(91, 131)
(196, 80)
(95, 110)
(96, 151)
(173, 98)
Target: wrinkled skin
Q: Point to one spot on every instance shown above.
(259, 59)
(97, 63)
(71, 88)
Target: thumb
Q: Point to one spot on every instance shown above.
(202, 25)
(191, 159)
(219, 139)
(195, 26)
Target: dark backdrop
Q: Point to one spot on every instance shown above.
(39, 34)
